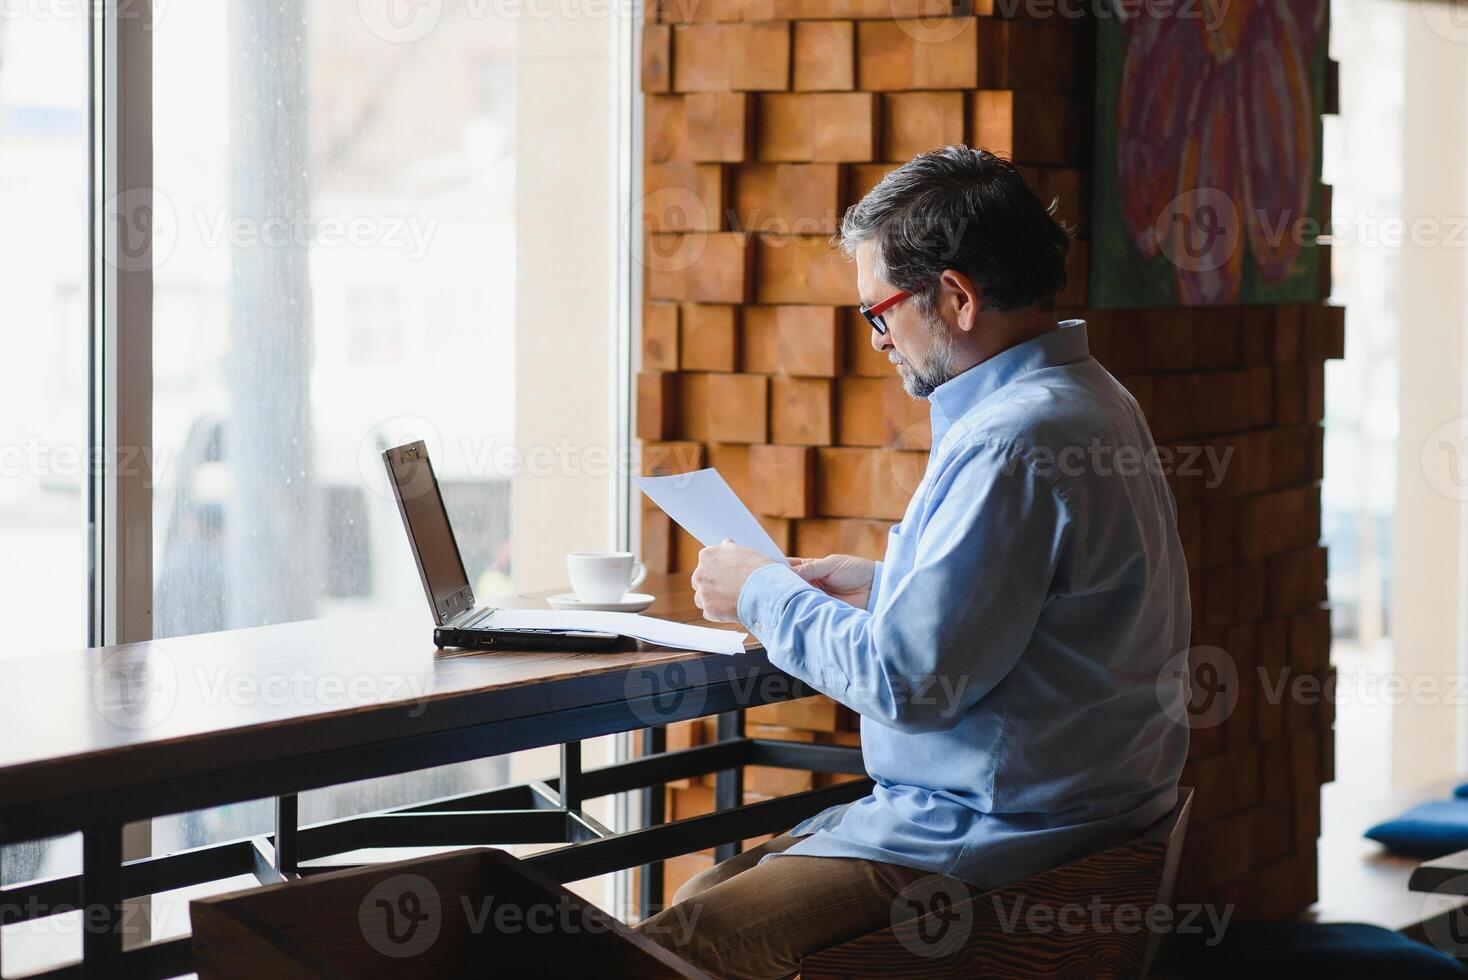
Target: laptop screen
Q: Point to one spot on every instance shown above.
(427, 522)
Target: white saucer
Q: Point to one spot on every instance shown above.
(631, 602)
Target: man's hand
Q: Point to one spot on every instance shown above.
(720, 574)
(846, 577)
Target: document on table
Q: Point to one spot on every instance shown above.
(704, 506)
(660, 631)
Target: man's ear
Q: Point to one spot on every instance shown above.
(964, 298)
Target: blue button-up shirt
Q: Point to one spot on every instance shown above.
(1009, 669)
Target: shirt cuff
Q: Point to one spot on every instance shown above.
(876, 582)
(764, 595)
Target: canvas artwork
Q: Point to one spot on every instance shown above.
(1207, 152)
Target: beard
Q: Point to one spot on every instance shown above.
(920, 380)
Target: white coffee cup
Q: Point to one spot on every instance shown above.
(604, 576)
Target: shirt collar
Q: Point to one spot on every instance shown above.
(955, 397)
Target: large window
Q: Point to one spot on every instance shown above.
(338, 277)
(340, 247)
(338, 196)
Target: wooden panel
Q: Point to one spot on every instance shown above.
(813, 714)
(696, 11)
(757, 196)
(705, 267)
(843, 9)
(760, 340)
(810, 340)
(818, 537)
(667, 458)
(738, 407)
(717, 57)
(1029, 55)
(732, 460)
(683, 197)
(862, 359)
(693, 406)
(777, 782)
(760, 58)
(709, 337)
(657, 541)
(808, 198)
(803, 269)
(718, 126)
(875, 483)
(701, 58)
(825, 56)
(915, 122)
(657, 58)
(660, 336)
(685, 550)
(821, 127)
(656, 405)
(862, 177)
(859, 411)
(802, 411)
(788, 198)
(780, 529)
(907, 420)
(783, 480)
(911, 54)
(1027, 127)
(665, 128)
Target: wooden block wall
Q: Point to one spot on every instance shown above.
(765, 119)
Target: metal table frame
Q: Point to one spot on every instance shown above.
(549, 811)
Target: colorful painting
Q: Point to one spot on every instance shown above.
(1207, 152)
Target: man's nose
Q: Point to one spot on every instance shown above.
(881, 342)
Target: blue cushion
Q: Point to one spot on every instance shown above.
(1461, 792)
(1428, 830)
(1339, 950)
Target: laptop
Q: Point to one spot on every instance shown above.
(458, 622)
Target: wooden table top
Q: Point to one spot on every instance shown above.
(69, 716)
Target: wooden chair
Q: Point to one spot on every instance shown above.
(439, 917)
(997, 938)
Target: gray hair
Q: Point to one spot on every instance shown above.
(964, 209)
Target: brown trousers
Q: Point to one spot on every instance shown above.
(740, 921)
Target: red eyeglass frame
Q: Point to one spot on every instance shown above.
(874, 312)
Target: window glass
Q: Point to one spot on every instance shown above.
(1363, 164)
(335, 243)
(43, 389)
(336, 262)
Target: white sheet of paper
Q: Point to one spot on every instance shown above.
(679, 635)
(705, 506)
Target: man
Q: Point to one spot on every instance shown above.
(1007, 656)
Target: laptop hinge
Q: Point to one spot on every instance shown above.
(460, 620)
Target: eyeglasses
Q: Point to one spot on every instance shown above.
(874, 312)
